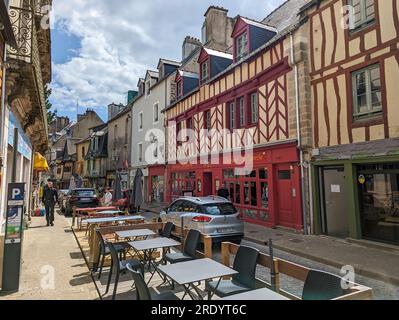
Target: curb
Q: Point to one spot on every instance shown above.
(359, 270)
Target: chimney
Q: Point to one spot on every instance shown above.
(189, 45)
(217, 29)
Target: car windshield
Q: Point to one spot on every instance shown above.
(219, 209)
(85, 193)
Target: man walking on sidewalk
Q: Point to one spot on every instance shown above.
(50, 198)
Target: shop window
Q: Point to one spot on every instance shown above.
(379, 205)
(263, 173)
(264, 194)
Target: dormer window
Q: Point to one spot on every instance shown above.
(242, 46)
(148, 86)
(180, 89)
(204, 71)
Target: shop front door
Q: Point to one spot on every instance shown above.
(207, 187)
(334, 202)
(285, 190)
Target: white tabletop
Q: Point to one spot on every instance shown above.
(114, 219)
(263, 294)
(156, 243)
(134, 233)
(196, 270)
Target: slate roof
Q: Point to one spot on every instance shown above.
(285, 15)
(360, 150)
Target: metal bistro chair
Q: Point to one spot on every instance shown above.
(120, 266)
(189, 250)
(167, 230)
(142, 291)
(320, 285)
(245, 263)
(104, 251)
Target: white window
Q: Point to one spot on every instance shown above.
(140, 152)
(180, 88)
(140, 121)
(156, 113)
(205, 71)
(242, 111)
(232, 112)
(242, 46)
(363, 13)
(367, 100)
(254, 108)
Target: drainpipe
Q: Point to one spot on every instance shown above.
(298, 128)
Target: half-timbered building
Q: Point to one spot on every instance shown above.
(249, 117)
(354, 77)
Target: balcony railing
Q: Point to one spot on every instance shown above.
(22, 22)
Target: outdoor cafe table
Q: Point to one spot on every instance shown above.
(134, 234)
(149, 246)
(89, 211)
(188, 273)
(101, 214)
(259, 294)
(93, 222)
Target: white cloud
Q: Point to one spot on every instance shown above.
(120, 40)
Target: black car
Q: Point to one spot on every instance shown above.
(81, 198)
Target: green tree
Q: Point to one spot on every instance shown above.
(51, 115)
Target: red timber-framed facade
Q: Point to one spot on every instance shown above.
(258, 92)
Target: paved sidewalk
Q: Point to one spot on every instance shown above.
(367, 261)
(53, 248)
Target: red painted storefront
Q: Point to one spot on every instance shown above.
(269, 195)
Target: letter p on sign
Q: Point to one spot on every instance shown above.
(15, 193)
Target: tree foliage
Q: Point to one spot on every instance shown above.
(51, 115)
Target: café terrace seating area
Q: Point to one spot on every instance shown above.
(131, 258)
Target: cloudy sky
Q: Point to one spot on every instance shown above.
(102, 47)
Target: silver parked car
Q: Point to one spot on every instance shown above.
(213, 216)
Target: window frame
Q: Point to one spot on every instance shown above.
(241, 112)
(252, 108)
(208, 68)
(141, 121)
(148, 87)
(240, 56)
(140, 152)
(180, 88)
(362, 116)
(364, 22)
(232, 115)
(155, 114)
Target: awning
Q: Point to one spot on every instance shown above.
(40, 163)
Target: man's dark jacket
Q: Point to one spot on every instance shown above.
(50, 196)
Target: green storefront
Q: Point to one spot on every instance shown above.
(356, 192)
